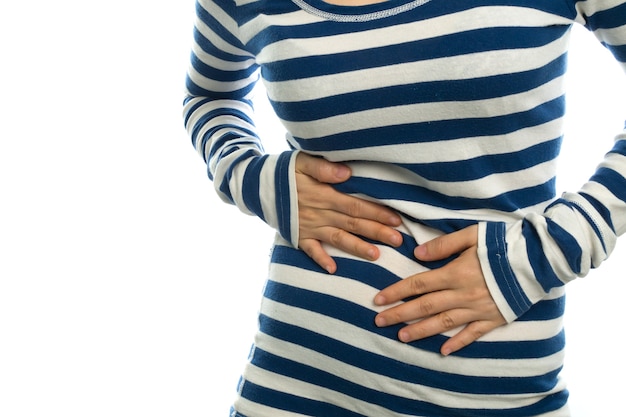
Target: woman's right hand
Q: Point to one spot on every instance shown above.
(329, 216)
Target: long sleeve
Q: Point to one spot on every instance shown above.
(218, 114)
(523, 261)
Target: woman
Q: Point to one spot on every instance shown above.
(421, 255)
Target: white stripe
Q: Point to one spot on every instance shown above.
(456, 149)
(428, 112)
(478, 18)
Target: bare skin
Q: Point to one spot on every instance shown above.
(329, 216)
(453, 296)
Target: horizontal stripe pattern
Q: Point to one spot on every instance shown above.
(451, 114)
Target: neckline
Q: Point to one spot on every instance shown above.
(363, 13)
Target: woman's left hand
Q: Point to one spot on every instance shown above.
(452, 296)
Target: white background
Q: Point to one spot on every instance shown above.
(126, 287)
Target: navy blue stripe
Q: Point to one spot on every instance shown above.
(426, 92)
(456, 44)
(619, 147)
(363, 318)
(539, 263)
(206, 17)
(209, 47)
(504, 275)
(282, 194)
(394, 403)
(227, 142)
(379, 278)
(601, 209)
(225, 184)
(592, 224)
(611, 180)
(234, 142)
(568, 244)
(362, 271)
(406, 249)
(286, 402)
(618, 51)
(545, 310)
(252, 185)
(196, 90)
(193, 108)
(209, 116)
(485, 165)
(435, 131)
(247, 11)
(413, 374)
(427, 11)
(305, 406)
(218, 74)
(217, 112)
(607, 19)
(507, 202)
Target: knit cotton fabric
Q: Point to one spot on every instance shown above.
(449, 112)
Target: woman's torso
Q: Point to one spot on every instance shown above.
(450, 112)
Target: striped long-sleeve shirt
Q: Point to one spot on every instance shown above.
(450, 112)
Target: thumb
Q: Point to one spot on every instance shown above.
(321, 169)
(447, 245)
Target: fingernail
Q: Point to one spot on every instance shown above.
(396, 240)
(446, 351)
(342, 172)
(380, 321)
(379, 300)
(421, 251)
(404, 336)
(371, 254)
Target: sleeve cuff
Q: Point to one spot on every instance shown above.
(287, 197)
(500, 278)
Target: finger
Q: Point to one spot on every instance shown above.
(422, 283)
(447, 245)
(358, 208)
(349, 243)
(349, 207)
(333, 232)
(437, 324)
(315, 251)
(369, 229)
(471, 333)
(321, 169)
(317, 170)
(420, 308)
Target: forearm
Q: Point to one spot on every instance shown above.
(523, 261)
(218, 114)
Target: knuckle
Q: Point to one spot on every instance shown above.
(353, 224)
(307, 215)
(473, 332)
(355, 208)
(324, 170)
(439, 245)
(426, 307)
(477, 333)
(447, 322)
(337, 237)
(417, 286)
